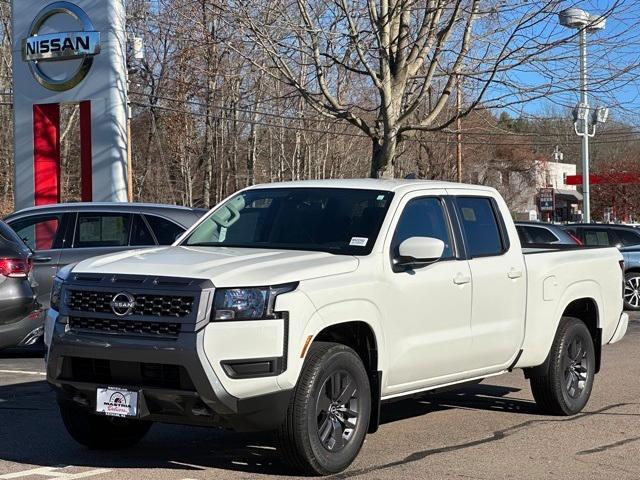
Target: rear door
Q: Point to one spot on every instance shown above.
(499, 281)
(44, 234)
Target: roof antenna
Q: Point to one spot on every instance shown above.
(411, 176)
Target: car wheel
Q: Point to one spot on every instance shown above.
(101, 433)
(328, 415)
(565, 387)
(632, 291)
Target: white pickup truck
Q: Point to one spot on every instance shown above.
(300, 307)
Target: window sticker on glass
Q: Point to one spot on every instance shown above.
(358, 241)
(112, 229)
(90, 229)
(469, 214)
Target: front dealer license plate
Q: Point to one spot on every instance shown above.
(117, 402)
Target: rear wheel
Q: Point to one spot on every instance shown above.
(565, 387)
(632, 291)
(101, 433)
(328, 415)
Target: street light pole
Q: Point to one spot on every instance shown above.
(585, 121)
(584, 100)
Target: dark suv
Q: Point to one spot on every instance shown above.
(20, 315)
(627, 239)
(67, 233)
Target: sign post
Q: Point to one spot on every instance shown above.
(546, 201)
(69, 52)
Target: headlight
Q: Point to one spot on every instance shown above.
(58, 281)
(54, 300)
(253, 303)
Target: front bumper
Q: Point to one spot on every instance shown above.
(176, 383)
(166, 349)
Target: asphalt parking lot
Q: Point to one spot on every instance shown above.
(491, 430)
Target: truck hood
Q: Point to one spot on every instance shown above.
(225, 267)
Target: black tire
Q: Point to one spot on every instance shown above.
(101, 433)
(566, 386)
(631, 293)
(313, 438)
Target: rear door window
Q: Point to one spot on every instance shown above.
(598, 237)
(480, 226)
(541, 235)
(102, 230)
(166, 231)
(39, 232)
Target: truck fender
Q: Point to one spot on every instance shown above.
(584, 289)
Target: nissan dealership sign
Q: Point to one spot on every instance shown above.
(69, 53)
(38, 48)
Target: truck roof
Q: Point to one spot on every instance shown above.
(392, 185)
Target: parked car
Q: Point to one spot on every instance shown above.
(627, 239)
(538, 233)
(302, 306)
(66, 233)
(20, 314)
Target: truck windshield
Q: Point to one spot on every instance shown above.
(335, 220)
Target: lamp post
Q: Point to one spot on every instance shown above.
(580, 20)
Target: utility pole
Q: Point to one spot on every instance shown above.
(458, 130)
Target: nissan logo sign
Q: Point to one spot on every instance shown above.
(123, 304)
(38, 48)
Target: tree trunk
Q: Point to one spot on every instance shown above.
(383, 156)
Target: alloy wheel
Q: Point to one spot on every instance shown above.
(632, 292)
(337, 410)
(576, 368)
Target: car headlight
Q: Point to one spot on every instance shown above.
(56, 290)
(58, 281)
(252, 303)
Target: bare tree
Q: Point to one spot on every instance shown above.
(374, 63)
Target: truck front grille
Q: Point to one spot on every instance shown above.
(145, 304)
(123, 374)
(125, 327)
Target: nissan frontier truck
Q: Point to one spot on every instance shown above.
(302, 307)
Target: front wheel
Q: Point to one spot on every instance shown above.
(101, 433)
(328, 415)
(632, 291)
(565, 387)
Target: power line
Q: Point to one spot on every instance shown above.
(361, 135)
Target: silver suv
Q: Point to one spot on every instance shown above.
(67, 233)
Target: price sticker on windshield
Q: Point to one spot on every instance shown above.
(358, 242)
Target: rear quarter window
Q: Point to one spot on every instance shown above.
(166, 231)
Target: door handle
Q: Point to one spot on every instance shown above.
(40, 259)
(514, 273)
(461, 279)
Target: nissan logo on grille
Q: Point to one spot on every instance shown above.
(123, 304)
(81, 45)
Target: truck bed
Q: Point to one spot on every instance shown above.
(558, 274)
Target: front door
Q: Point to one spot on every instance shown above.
(429, 308)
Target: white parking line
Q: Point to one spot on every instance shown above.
(53, 473)
(25, 372)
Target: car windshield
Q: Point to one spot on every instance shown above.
(335, 220)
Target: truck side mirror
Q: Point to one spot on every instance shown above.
(418, 252)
